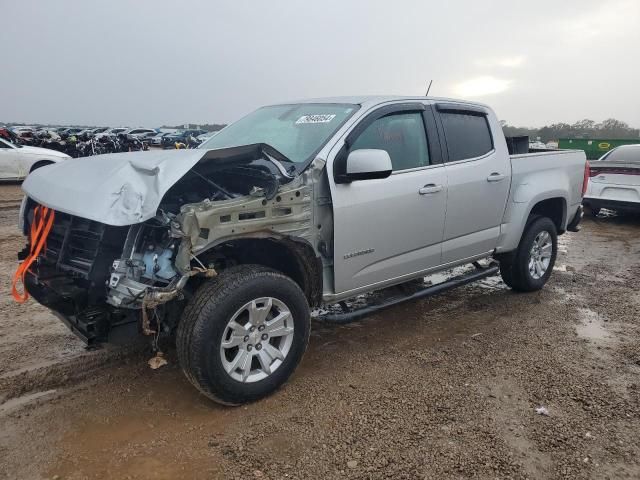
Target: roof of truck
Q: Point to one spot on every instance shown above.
(370, 100)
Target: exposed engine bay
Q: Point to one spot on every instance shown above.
(99, 277)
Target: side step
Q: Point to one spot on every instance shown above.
(357, 314)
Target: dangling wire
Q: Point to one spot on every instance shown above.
(40, 227)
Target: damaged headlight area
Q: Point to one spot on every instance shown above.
(147, 261)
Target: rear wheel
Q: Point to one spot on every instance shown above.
(243, 334)
(530, 266)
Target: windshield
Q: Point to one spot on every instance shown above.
(296, 131)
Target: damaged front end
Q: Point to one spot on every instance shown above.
(128, 247)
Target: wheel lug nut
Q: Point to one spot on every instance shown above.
(261, 328)
(258, 346)
(252, 329)
(246, 338)
(249, 347)
(264, 336)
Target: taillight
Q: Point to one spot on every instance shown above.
(585, 180)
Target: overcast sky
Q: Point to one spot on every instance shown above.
(157, 62)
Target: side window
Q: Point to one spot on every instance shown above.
(402, 135)
(468, 135)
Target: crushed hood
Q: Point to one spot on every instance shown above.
(125, 188)
(116, 189)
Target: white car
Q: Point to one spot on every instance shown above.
(614, 181)
(16, 161)
(138, 132)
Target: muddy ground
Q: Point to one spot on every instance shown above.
(442, 388)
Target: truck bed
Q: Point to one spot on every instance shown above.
(561, 172)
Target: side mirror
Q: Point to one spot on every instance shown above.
(367, 164)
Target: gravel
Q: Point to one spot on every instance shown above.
(442, 388)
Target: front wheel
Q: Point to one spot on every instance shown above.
(243, 334)
(530, 266)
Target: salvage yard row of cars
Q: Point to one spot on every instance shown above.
(228, 247)
(155, 136)
(17, 160)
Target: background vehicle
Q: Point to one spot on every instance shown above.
(9, 135)
(138, 132)
(24, 133)
(614, 181)
(157, 138)
(16, 161)
(112, 131)
(169, 141)
(203, 137)
(69, 132)
(294, 205)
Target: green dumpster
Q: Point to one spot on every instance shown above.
(594, 148)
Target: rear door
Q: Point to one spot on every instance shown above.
(478, 179)
(387, 229)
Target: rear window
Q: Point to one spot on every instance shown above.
(629, 154)
(468, 135)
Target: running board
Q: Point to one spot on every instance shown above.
(357, 314)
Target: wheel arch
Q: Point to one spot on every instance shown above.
(551, 204)
(41, 163)
(292, 256)
(554, 208)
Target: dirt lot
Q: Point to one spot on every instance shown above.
(443, 388)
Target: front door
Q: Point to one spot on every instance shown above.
(387, 229)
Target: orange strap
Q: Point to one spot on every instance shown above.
(40, 228)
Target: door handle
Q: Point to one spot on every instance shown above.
(430, 188)
(495, 177)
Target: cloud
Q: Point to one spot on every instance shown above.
(481, 86)
(505, 62)
(612, 19)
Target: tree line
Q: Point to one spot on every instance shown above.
(610, 129)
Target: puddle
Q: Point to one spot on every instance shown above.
(591, 327)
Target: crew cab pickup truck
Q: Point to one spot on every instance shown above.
(230, 246)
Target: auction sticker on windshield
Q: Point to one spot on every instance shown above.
(315, 119)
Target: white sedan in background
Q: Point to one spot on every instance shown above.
(614, 181)
(16, 161)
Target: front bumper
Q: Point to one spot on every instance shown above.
(93, 325)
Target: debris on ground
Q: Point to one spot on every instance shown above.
(157, 361)
(542, 411)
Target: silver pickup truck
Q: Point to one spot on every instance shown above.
(231, 246)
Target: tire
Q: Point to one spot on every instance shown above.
(206, 320)
(515, 268)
